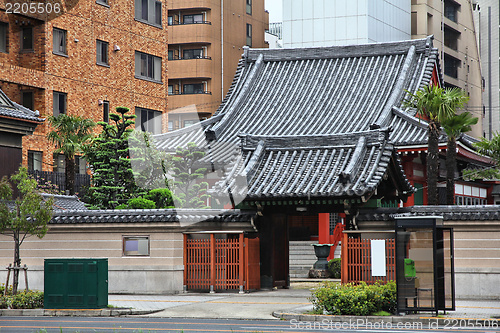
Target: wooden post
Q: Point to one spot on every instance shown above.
(324, 228)
(212, 263)
(345, 257)
(7, 282)
(185, 262)
(242, 262)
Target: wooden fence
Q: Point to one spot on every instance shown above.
(356, 261)
(221, 264)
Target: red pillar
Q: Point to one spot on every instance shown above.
(324, 228)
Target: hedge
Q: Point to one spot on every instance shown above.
(22, 300)
(354, 299)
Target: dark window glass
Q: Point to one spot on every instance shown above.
(59, 103)
(192, 54)
(27, 38)
(170, 20)
(102, 52)
(170, 55)
(105, 111)
(147, 66)
(450, 11)
(148, 120)
(196, 88)
(249, 35)
(249, 7)
(4, 29)
(149, 11)
(451, 37)
(451, 65)
(103, 2)
(34, 160)
(27, 99)
(59, 163)
(193, 18)
(80, 165)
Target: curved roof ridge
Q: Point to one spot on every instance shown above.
(322, 52)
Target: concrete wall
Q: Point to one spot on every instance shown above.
(160, 272)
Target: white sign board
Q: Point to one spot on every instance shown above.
(378, 257)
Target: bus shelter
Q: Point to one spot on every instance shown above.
(424, 265)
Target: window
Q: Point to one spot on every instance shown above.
(103, 2)
(60, 41)
(59, 163)
(136, 245)
(34, 160)
(193, 88)
(249, 35)
(147, 66)
(27, 38)
(450, 10)
(148, 11)
(451, 37)
(190, 122)
(170, 20)
(451, 65)
(27, 99)
(102, 52)
(249, 7)
(4, 29)
(148, 120)
(193, 19)
(80, 165)
(105, 111)
(192, 54)
(170, 89)
(59, 103)
(170, 126)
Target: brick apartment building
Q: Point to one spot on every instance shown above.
(96, 56)
(205, 42)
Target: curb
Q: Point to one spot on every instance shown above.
(75, 312)
(378, 321)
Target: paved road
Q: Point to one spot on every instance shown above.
(153, 325)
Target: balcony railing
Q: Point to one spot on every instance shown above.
(197, 22)
(199, 57)
(56, 181)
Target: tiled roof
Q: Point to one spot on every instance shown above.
(342, 165)
(150, 215)
(66, 202)
(13, 110)
(449, 213)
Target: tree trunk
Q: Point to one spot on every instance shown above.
(17, 263)
(451, 164)
(70, 175)
(433, 164)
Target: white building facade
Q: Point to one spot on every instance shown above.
(309, 23)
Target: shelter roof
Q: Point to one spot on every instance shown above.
(13, 110)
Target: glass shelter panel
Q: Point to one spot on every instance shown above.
(416, 277)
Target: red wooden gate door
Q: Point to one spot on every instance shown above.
(228, 261)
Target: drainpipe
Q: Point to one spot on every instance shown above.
(222, 47)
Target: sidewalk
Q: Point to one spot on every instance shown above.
(262, 304)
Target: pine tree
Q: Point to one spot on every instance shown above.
(113, 180)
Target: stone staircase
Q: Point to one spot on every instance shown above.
(302, 257)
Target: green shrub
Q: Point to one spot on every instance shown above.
(334, 267)
(22, 300)
(357, 300)
(162, 197)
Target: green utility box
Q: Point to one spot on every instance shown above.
(75, 283)
(409, 268)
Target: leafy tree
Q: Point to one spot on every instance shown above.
(490, 148)
(162, 197)
(436, 104)
(27, 216)
(454, 127)
(113, 180)
(70, 134)
(150, 165)
(186, 171)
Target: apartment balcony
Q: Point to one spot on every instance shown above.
(188, 4)
(190, 68)
(200, 103)
(190, 33)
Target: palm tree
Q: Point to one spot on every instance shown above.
(435, 104)
(69, 135)
(454, 127)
